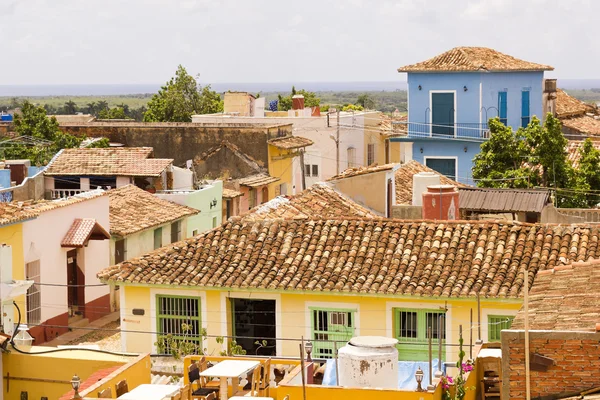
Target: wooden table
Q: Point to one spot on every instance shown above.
(230, 369)
(151, 392)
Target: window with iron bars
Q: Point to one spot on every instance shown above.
(34, 294)
(370, 154)
(173, 312)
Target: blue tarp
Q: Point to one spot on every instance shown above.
(406, 373)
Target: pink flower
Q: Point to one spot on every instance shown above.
(450, 380)
(467, 367)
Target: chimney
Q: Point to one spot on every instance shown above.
(420, 183)
(549, 97)
(440, 203)
(297, 102)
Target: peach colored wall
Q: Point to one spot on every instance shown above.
(41, 241)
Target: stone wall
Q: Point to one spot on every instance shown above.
(184, 141)
(576, 362)
(407, 212)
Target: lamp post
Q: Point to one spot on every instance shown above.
(419, 377)
(308, 347)
(75, 383)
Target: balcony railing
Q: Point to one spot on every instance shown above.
(462, 130)
(63, 193)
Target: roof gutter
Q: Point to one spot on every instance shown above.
(508, 300)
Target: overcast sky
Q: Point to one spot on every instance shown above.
(143, 41)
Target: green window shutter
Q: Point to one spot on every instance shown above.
(329, 326)
(411, 330)
(174, 311)
(496, 323)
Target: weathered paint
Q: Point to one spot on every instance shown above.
(374, 314)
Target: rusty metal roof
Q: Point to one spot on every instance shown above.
(503, 200)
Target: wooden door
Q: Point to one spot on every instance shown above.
(76, 282)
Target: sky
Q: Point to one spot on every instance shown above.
(143, 41)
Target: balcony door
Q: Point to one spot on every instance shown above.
(442, 113)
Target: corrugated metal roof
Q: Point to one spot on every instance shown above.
(503, 200)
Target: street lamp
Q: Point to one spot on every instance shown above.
(308, 347)
(419, 377)
(75, 383)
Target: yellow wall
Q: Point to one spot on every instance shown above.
(137, 372)
(12, 235)
(368, 190)
(280, 168)
(59, 366)
(373, 315)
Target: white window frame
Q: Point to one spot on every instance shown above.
(431, 92)
(425, 158)
(34, 293)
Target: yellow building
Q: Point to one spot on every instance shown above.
(330, 280)
(282, 153)
(379, 128)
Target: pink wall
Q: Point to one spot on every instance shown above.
(41, 241)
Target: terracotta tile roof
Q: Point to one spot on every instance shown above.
(90, 381)
(573, 154)
(23, 210)
(356, 171)
(396, 126)
(585, 124)
(231, 194)
(133, 209)
(369, 256)
(257, 180)
(318, 201)
(474, 59)
(113, 161)
(404, 180)
(569, 106)
(503, 200)
(290, 142)
(565, 298)
(81, 231)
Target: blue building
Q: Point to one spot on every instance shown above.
(452, 96)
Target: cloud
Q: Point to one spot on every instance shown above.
(143, 41)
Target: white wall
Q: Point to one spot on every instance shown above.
(124, 181)
(41, 241)
(183, 179)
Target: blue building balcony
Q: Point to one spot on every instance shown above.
(460, 131)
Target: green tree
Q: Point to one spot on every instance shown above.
(113, 113)
(70, 107)
(32, 121)
(285, 102)
(548, 148)
(180, 98)
(501, 162)
(366, 101)
(589, 171)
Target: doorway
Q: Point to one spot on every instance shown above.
(254, 325)
(76, 289)
(442, 113)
